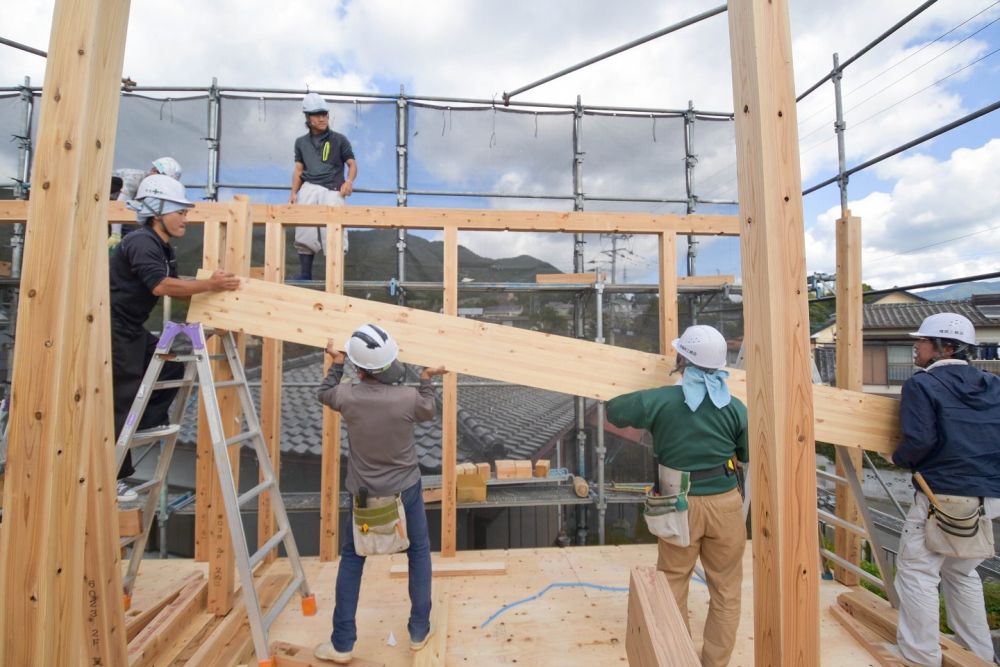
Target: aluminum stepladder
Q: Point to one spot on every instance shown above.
(198, 367)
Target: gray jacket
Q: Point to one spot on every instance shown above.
(379, 418)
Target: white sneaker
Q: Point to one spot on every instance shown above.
(125, 493)
(417, 645)
(327, 652)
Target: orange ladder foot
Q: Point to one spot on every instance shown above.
(308, 605)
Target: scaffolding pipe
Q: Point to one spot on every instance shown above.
(989, 108)
(579, 405)
(689, 162)
(624, 47)
(21, 187)
(868, 47)
(214, 125)
(839, 127)
(599, 449)
(402, 170)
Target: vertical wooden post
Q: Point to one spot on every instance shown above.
(211, 259)
(329, 513)
(668, 291)
(449, 405)
(221, 561)
(271, 377)
(62, 433)
(850, 359)
(779, 379)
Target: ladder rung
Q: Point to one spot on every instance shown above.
(280, 603)
(153, 434)
(217, 357)
(254, 492)
(242, 437)
(270, 544)
(228, 383)
(170, 384)
(180, 358)
(125, 541)
(146, 485)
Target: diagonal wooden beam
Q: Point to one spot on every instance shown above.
(530, 358)
(61, 403)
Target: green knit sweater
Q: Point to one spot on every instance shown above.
(687, 440)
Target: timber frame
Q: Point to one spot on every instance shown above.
(59, 482)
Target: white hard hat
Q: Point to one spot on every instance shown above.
(947, 325)
(158, 195)
(703, 346)
(314, 103)
(371, 348)
(168, 167)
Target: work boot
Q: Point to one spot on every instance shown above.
(326, 651)
(305, 267)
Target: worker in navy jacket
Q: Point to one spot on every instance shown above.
(950, 419)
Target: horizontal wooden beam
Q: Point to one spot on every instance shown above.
(438, 218)
(453, 569)
(530, 358)
(706, 281)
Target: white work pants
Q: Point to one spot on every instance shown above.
(312, 240)
(918, 573)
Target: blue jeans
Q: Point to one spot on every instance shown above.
(345, 629)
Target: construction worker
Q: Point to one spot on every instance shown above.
(143, 268)
(128, 186)
(950, 418)
(318, 176)
(382, 470)
(697, 427)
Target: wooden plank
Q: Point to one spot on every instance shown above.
(145, 648)
(451, 568)
(522, 469)
(568, 278)
(867, 637)
(506, 469)
(289, 655)
(513, 355)
(271, 377)
(129, 522)
(542, 468)
(669, 330)
(772, 250)
(211, 259)
(449, 406)
(483, 470)
(56, 425)
(875, 613)
(656, 633)
(221, 559)
(435, 652)
(706, 281)
(850, 374)
(137, 619)
(432, 495)
(231, 643)
(329, 513)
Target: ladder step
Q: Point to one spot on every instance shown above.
(217, 357)
(254, 492)
(270, 544)
(146, 485)
(170, 384)
(148, 435)
(242, 437)
(180, 358)
(228, 383)
(125, 541)
(280, 603)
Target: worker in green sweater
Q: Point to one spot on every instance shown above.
(696, 508)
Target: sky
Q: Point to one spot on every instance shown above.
(931, 213)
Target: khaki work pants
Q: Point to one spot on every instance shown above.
(718, 536)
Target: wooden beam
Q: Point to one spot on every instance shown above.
(271, 377)
(435, 652)
(329, 513)
(850, 359)
(221, 560)
(58, 424)
(668, 292)
(211, 259)
(454, 569)
(530, 358)
(706, 281)
(656, 633)
(129, 522)
(772, 249)
(875, 613)
(568, 278)
(449, 406)
(159, 633)
(868, 638)
(137, 619)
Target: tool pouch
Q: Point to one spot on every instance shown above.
(380, 526)
(957, 526)
(666, 514)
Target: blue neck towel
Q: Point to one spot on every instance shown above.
(697, 383)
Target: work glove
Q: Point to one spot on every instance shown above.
(113, 240)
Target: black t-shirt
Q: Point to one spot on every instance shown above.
(323, 157)
(140, 262)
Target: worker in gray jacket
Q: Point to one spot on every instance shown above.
(382, 471)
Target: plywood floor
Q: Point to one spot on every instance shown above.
(577, 626)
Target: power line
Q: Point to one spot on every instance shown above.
(931, 245)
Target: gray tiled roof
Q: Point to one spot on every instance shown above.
(495, 421)
(910, 315)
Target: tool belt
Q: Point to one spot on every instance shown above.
(957, 526)
(666, 514)
(379, 525)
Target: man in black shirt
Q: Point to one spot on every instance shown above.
(144, 268)
(318, 176)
